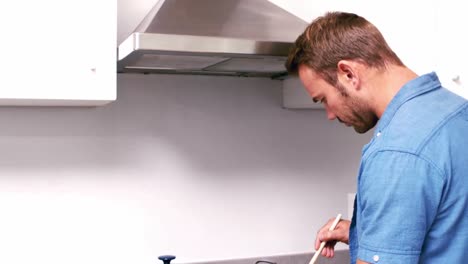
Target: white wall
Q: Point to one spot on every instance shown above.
(200, 167)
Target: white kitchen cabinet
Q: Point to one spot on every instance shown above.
(308, 10)
(409, 27)
(58, 52)
(451, 42)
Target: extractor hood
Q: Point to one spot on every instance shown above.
(211, 37)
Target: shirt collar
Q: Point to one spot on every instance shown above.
(411, 89)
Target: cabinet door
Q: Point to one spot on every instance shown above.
(409, 27)
(452, 41)
(308, 10)
(58, 52)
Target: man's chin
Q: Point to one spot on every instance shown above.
(362, 129)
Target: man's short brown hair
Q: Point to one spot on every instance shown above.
(339, 36)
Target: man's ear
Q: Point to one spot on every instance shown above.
(348, 73)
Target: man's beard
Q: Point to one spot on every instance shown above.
(365, 117)
(360, 111)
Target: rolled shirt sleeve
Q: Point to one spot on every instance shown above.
(398, 197)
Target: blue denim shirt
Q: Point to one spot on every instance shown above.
(412, 199)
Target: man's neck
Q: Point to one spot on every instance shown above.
(386, 84)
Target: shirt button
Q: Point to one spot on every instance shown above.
(376, 258)
(378, 134)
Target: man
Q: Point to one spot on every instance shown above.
(412, 199)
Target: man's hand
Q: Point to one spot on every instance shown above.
(339, 234)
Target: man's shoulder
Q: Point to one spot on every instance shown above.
(423, 118)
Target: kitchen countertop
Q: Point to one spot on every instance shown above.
(341, 257)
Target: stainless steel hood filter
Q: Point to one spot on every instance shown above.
(211, 37)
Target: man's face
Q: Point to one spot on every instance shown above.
(339, 102)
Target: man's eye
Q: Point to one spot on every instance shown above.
(322, 100)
